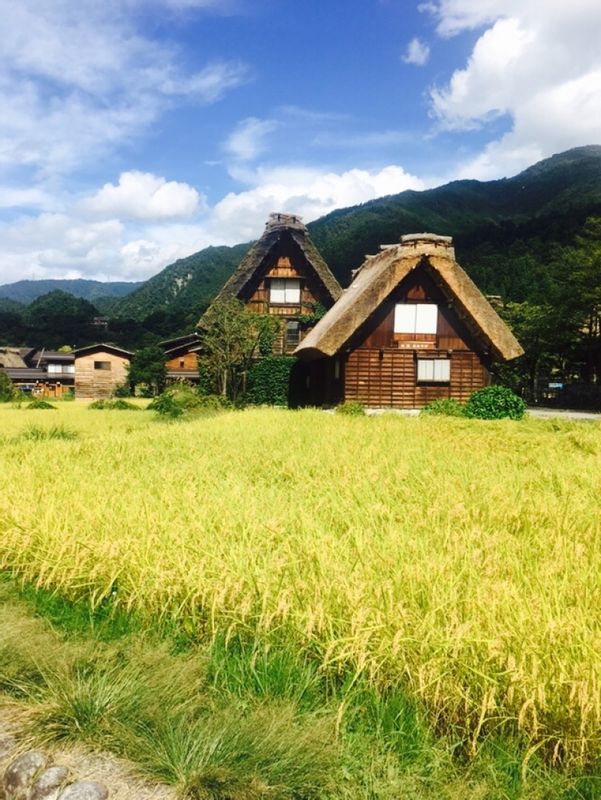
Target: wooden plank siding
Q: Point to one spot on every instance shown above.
(185, 362)
(289, 262)
(380, 368)
(91, 382)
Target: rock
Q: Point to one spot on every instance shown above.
(84, 790)
(7, 744)
(20, 774)
(49, 784)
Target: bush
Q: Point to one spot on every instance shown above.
(446, 407)
(6, 388)
(269, 380)
(113, 405)
(40, 404)
(122, 391)
(351, 408)
(166, 406)
(495, 402)
(182, 399)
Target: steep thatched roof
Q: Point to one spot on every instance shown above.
(379, 275)
(277, 227)
(11, 357)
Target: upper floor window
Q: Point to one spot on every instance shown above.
(61, 369)
(415, 318)
(284, 290)
(102, 364)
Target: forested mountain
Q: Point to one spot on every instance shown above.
(534, 239)
(504, 231)
(187, 285)
(27, 291)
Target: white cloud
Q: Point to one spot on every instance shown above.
(308, 192)
(76, 79)
(417, 53)
(135, 239)
(248, 139)
(538, 63)
(142, 196)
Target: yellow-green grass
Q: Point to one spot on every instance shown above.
(458, 559)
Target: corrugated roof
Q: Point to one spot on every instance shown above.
(379, 275)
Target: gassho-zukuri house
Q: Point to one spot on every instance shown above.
(283, 274)
(411, 328)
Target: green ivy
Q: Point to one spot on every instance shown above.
(269, 380)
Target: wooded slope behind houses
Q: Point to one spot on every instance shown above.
(503, 232)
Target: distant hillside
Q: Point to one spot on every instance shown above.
(189, 283)
(27, 291)
(503, 232)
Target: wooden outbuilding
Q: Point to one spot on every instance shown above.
(100, 369)
(181, 357)
(411, 328)
(284, 274)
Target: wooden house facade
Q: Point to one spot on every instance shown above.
(99, 370)
(283, 274)
(411, 328)
(39, 373)
(181, 358)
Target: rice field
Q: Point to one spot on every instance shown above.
(457, 559)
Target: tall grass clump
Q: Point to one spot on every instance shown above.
(37, 433)
(446, 561)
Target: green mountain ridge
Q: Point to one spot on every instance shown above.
(495, 226)
(97, 292)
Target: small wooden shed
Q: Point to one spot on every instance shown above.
(411, 328)
(283, 274)
(99, 369)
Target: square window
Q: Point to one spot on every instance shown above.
(415, 318)
(285, 291)
(433, 370)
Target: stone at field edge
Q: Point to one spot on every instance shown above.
(20, 773)
(49, 784)
(84, 790)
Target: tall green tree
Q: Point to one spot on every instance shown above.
(232, 337)
(148, 367)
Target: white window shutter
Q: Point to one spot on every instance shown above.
(404, 318)
(442, 370)
(292, 289)
(277, 290)
(426, 319)
(425, 369)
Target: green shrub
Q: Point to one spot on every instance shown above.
(181, 399)
(40, 404)
(6, 388)
(351, 408)
(445, 407)
(268, 381)
(495, 402)
(113, 405)
(122, 391)
(166, 406)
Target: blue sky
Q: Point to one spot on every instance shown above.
(135, 132)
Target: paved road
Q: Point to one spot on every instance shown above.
(564, 413)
